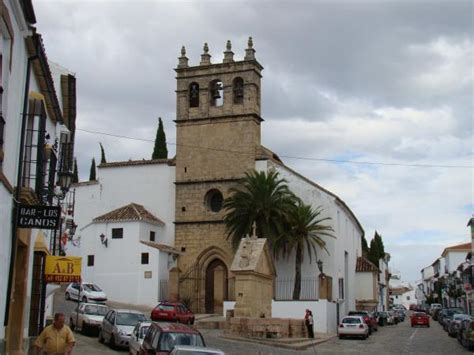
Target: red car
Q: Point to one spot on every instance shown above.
(172, 312)
(419, 318)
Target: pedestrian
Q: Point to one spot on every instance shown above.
(56, 338)
(308, 320)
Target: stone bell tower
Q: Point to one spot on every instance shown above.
(218, 137)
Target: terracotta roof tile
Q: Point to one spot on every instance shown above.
(161, 247)
(459, 247)
(131, 212)
(365, 265)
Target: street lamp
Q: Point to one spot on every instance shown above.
(103, 239)
(65, 180)
(320, 266)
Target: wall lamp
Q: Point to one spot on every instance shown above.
(320, 265)
(103, 239)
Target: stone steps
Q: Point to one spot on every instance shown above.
(286, 343)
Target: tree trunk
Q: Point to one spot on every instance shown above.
(298, 261)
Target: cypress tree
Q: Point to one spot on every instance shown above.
(365, 247)
(160, 151)
(102, 154)
(373, 254)
(75, 173)
(92, 173)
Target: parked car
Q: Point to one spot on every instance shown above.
(448, 317)
(118, 325)
(466, 334)
(455, 324)
(420, 318)
(399, 315)
(85, 292)
(435, 306)
(435, 313)
(382, 318)
(136, 339)
(391, 318)
(163, 337)
(369, 319)
(413, 307)
(353, 326)
(193, 350)
(448, 312)
(172, 312)
(88, 317)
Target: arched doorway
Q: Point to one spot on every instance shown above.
(216, 286)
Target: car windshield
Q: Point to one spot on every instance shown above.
(451, 312)
(351, 320)
(461, 316)
(352, 313)
(129, 318)
(166, 307)
(419, 314)
(96, 310)
(169, 340)
(91, 287)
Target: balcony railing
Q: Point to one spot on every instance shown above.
(284, 288)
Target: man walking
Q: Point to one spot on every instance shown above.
(56, 338)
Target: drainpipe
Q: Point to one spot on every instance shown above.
(16, 200)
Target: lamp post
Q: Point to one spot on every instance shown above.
(65, 180)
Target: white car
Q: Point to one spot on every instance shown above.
(88, 317)
(85, 292)
(353, 326)
(136, 339)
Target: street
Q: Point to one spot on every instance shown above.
(397, 339)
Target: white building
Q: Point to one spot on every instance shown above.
(401, 292)
(367, 285)
(384, 278)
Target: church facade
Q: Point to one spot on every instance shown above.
(218, 139)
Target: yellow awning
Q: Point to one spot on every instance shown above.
(40, 243)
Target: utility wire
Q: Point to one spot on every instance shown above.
(286, 156)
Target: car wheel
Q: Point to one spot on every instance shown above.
(112, 342)
(84, 299)
(341, 336)
(84, 328)
(101, 338)
(67, 296)
(71, 324)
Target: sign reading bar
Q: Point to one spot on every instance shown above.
(40, 217)
(63, 269)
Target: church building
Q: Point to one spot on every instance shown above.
(218, 139)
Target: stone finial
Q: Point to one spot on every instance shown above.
(183, 60)
(205, 57)
(228, 54)
(254, 227)
(250, 52)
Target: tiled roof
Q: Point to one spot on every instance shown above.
(136, 162)
(459, 247)
(365, 265)
(131, 212)
(264, 153)
(398, 291)
(162, 247)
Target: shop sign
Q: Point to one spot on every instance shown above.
(63, 269)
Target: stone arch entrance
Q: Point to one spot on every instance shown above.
(215, 286)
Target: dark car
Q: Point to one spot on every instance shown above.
(448, 312)
(382, 318)
(172, 312)
(161, 338)
(455, 324)
(369, 319)
(466, 334)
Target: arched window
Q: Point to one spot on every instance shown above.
(194, 95)
(217, 93)
(214, 200)
(238, 90)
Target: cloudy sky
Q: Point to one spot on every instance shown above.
(364, 81)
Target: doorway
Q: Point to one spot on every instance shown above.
(216, 286)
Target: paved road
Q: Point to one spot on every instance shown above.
(398, 339)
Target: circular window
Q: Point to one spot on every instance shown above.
(214, 200)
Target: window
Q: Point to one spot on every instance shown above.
(117, 233)
(217, 93)
(194, 95)
(144, 258)
(90, 260)
(152, 236)
(238, 90)
(341, 288)
(214, 200)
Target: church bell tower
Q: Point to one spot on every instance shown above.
(218, 138)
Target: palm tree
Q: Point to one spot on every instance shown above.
(263, 199)
(305, 231)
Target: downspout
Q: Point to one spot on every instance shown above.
(16, 200)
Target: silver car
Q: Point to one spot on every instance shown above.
(137, 336)
(194, 350)
(88, 317)
(118, 325)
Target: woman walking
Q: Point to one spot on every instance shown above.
(308, 320)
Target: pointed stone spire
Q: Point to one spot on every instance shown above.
(250, 52)
(183, 60)
(205, 57)
(228, 54)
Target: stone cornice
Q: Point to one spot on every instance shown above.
(254, 116)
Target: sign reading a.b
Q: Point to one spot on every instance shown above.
(63, 269)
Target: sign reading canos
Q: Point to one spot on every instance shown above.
(40, 217)
(63, 269)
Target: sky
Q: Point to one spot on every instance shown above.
(366, 81)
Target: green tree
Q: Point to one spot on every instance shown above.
(92, 176)
(305, 232)
(365, 247)
(160, 151)
(377, 249)
(75, 173)
(102, 154)
(263, 199)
